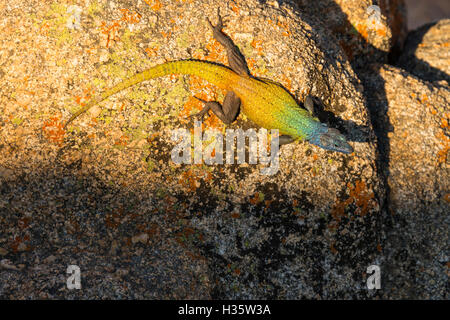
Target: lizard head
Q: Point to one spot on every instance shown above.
(330, 139)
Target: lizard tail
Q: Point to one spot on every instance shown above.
(216, 74)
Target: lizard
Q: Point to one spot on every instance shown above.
(263, 101)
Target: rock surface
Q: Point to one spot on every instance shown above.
(366, 32)
(106, 196)
(427, 52)
(413, 130)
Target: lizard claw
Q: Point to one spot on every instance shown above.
(202, 112)
(195, 115)
(221, 23)
(200, 99)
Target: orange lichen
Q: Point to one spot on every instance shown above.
(129, 16)
(45, 27)
(87, 94)
(18, 243)
(424, 98)
(166, 34)
(447, 197)
(188, 108)
(234, 7)
(257, 44)
(267, 204)
(285, 27)
(445, 142)
(362, 30)
(93, 122)
(359, 196)
(110, 31)
(216, 52)
(381, 32)
(286, 82)
(123, 140)
(155, 5)
(251, 64)
(191, 179)
(282, 25)
(53, 130)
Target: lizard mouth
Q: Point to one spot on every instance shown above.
(331, 139)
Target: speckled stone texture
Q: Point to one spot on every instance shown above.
(427, 52)
(367, 34)
(105, 195)
(413, 132)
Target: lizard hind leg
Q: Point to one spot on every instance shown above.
(235, 58)
(227, 112)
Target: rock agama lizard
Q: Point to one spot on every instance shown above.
(264, 102)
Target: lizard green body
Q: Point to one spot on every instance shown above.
(264, 102)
